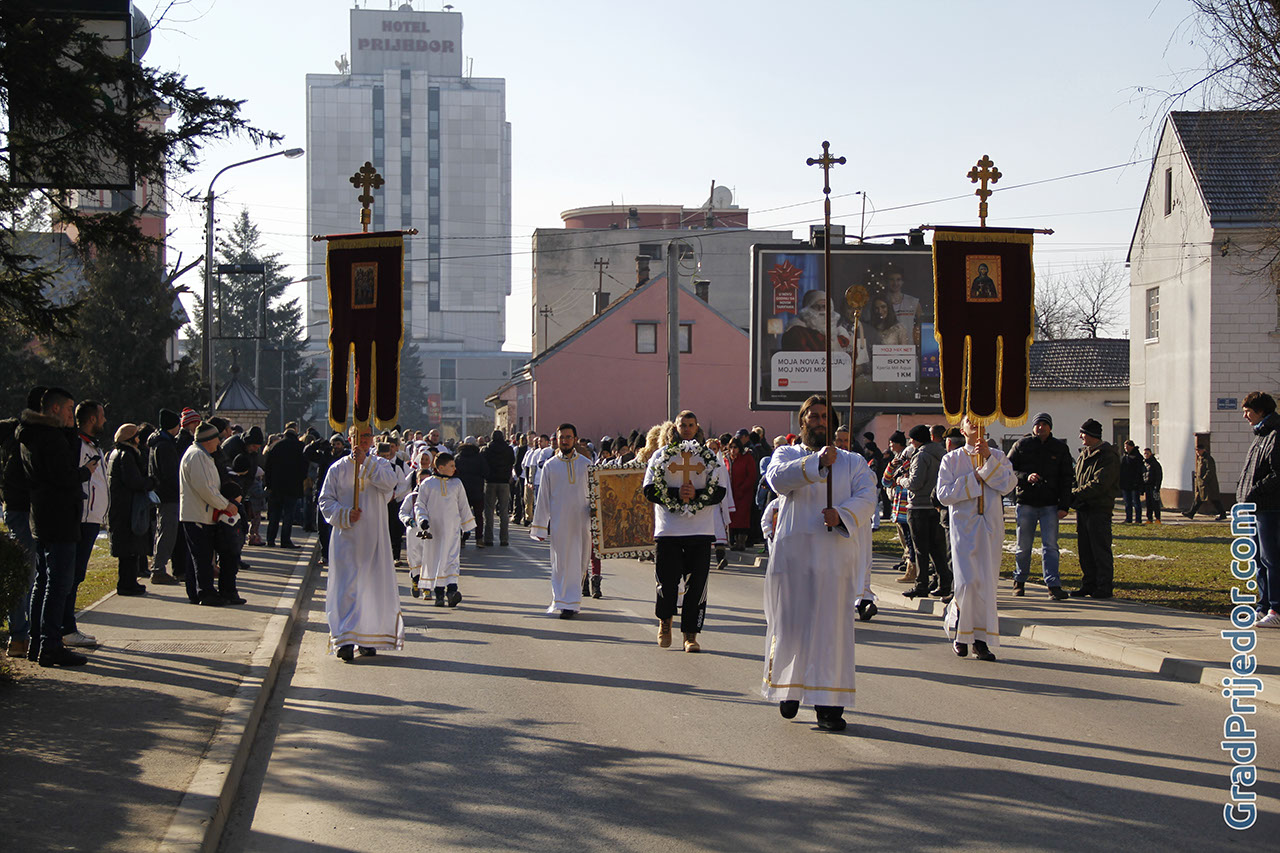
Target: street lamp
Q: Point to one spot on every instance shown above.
(291, 153)
(262, 325)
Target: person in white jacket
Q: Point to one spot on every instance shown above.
(200, 504)
(91, 417)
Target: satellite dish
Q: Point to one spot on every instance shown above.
(721, 198)
(141, 33)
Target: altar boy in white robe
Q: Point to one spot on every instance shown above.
(442, 504)
(563, 514)
(972, 480)
(362, 601)
(815, 572)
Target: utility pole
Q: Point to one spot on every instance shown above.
(546, 313)
(673, 330)
(601, 264)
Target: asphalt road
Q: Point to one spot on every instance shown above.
(501, 728)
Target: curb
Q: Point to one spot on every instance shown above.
(1208, 673)
(202, 813)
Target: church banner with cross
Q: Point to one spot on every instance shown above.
(984, 285)
(365, 275)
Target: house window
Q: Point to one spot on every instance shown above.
(687, 253)
(646, 337)
(1153, 313)
(651, 250)
(448, 379)
(686, 337)
(1119, 431)
(1168, 191)
(1153, 428)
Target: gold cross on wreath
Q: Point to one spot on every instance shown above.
(826, 161)
(687, 467)
(366, 179)
(985, 170)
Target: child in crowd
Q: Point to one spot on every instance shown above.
(420, 464)
(442, 502)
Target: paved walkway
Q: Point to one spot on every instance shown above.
(145, 744)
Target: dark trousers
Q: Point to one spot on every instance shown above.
(396, 529)
(84, 550)
(1217, 504)
(1153, 505)
(477, 512)
(228, 544)
(325, 529)
(497, 500)
(517, 501)
(199, 539)
(1093, 532)
(280, 513)
(686, 558)
(127, 568)
(930, 544)
(1268, 560)
(55, 582)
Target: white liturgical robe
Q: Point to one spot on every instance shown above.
(563, 515)
(362, 601)
(442, 501)
(976, 538)
(815, 576)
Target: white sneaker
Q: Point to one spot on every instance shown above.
(1271, 620)
(79, 638)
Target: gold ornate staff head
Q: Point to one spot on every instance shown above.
(984, 171)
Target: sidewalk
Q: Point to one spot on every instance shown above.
(132, 751)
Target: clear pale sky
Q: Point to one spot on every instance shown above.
(647, 102)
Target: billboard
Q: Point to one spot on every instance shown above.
(896, 355)
(420, 41)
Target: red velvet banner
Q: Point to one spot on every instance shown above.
(984, 285)
(365, 274)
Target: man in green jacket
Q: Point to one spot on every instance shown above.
(1094, 495)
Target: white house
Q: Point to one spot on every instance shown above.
(1203, 290)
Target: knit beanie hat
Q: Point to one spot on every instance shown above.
(919, 433)
(1091, 428)
(206, 432)
(189, 416)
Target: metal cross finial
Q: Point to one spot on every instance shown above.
(826, 161)
(985, 170)
(366, 179)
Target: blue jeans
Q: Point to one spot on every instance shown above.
(19, 524)
(1268, 539)
(1028, 518)
(55, 582)
(1132, 505)
(84, 550)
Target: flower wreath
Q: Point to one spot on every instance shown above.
(700, 496)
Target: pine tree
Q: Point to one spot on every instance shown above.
(413, 388)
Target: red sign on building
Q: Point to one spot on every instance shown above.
(433, 410)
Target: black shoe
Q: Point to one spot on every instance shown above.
(586, 586)
(788, 708)
(289, 546)
(1099, 595)
(1058, 593)
(366, 652)
(439, 596)
(867, 609)
(270, 544)
(981, 652)
(1081, 593)
(61, 656)
(941, 592)
(163, 579)
(505, 544)
(568, 614)
(961, 649)
(33, 650)
(136, 589)
(916, 592)
(830, 718)
(347, 653)
(453, 596)
(1019, 588)
(596, 591)
(232, 597)
(1222, 516)
(214, 600)
(1185, 514)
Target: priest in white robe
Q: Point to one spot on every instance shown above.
(362, 601)
(562, 513)
(972, 481)
(816, 571)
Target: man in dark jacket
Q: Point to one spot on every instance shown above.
(163, 457)
(1152, 480)
(1205, 479)
(923, 517)
(473, 471)
(323, 454)
(1094, 497)
(1260, 485)
(500, 460)
(1043, 466)
(284, 469)
(16, 495)
(47, 443)
(1131, 489)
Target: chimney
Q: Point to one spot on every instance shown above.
(633, 218)
(702, 288)
(599, 301)
(642, 269)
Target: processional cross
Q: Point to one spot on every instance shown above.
(826, 161)
(686, 467)
(366, 179)
(985, 170)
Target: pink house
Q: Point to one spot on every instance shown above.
(609, 375)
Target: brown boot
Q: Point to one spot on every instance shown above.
(664, 633)
(910, 575)
(691, 643)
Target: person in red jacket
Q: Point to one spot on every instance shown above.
(743, 473)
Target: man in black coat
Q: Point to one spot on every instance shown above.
(1045, 474)
(323, 454)
(1131, 479)
(50, 456)
(16, 495)
(500, 459)
(473, 471)
(285, 468)
(163, 457)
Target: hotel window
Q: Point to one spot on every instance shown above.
(1153, 427)
(646, 337)
(448, 379)
(651, 250)
(686, 337)
(1153, 313)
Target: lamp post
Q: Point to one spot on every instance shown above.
(262, 324)
(291, 153)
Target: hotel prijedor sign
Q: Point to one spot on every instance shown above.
(420, 41)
